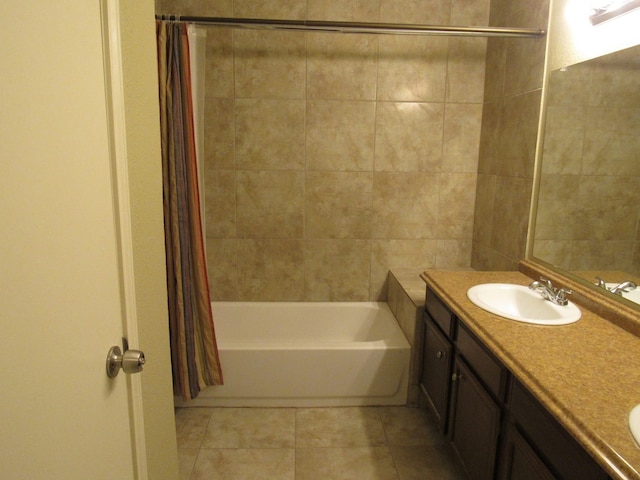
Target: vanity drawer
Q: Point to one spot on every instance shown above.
(488, 369)
(439, 313)
(552, 442)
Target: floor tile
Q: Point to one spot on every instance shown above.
(191, 425)
(355, 463)
(245, 464)
(436, 462)
(339, 427)
(187, 459)
(409, 426)
(251, 428)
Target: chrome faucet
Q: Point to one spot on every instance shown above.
(623, 287)
(546, 289)
(618, 289)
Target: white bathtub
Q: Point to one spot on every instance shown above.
(308, 354)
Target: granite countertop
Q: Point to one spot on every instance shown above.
(587, 374)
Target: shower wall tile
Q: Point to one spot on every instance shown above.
(269, 64)
(484, 209)
(269, 134)
(331, 158)
(344, 11)
(462, 126)
(220, 203)
(495, 68)
(222, 267)
(336, 270)
(519, 134)
(341, 67)
(409, 137)
(338, 204)
(454, 254)
(466, 70)
(415, 11)
(340, 135)
(219, 134)
(270, 269)
(405, 205)
(218, 77)
(389, 254)
(455, 209)
(282, 9)
(219, 8)
(511, 216)
(270, 204)
(401, 73)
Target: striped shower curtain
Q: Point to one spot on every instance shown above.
(194, 353)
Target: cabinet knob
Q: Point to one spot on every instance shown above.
(441, 355)
(456, 376)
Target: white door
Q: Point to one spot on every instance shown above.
(61, 285)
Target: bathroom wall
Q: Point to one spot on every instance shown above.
(332, 158)
(513, 88)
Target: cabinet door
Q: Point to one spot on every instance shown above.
(436, 371)
(519, 461)
(475, 423)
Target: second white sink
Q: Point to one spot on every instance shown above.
(517, 302)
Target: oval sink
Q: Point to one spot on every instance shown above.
(517, 302)
(634, 423)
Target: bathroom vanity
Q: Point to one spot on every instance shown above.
(527, 401)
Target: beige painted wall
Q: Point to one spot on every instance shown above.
(332, 158)
(145, 191)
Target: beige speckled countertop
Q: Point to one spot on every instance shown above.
(587, 374)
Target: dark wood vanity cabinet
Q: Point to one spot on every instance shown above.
(496, 426)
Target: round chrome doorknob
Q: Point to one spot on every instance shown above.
(131, 361)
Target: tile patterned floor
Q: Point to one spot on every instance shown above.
(363, 443)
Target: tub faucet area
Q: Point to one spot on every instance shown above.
(546, 289)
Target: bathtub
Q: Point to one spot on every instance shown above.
(282, 354)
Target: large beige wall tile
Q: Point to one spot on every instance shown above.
(462, 126)
(337, 270)
(405, 205)
(455, 209)
(343, 11)
(340, 135)
(220, 203)
(282, 9)
(470, 12)
(341, 67)
(269, 134)
(511, 216)
(409, 137)
(466, 70)
(270, 270)
(490, 156)
(564, 139)
(453, 254)
(219, 135)
(222, 267)
(219, 8)
(484, 209)
(269, 64)
(219, 63)
(270, 204)
(338, 204)
(402, 75)
(558, 207)
(390, 254)
(437, 12)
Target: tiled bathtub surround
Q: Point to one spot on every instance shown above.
(332, 158)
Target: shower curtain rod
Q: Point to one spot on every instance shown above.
(357, 27)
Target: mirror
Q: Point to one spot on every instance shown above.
(588, 210)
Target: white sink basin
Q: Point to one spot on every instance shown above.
(517, 302)
(634, 423)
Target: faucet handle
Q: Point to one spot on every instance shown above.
(600, 283)
(547, 282)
